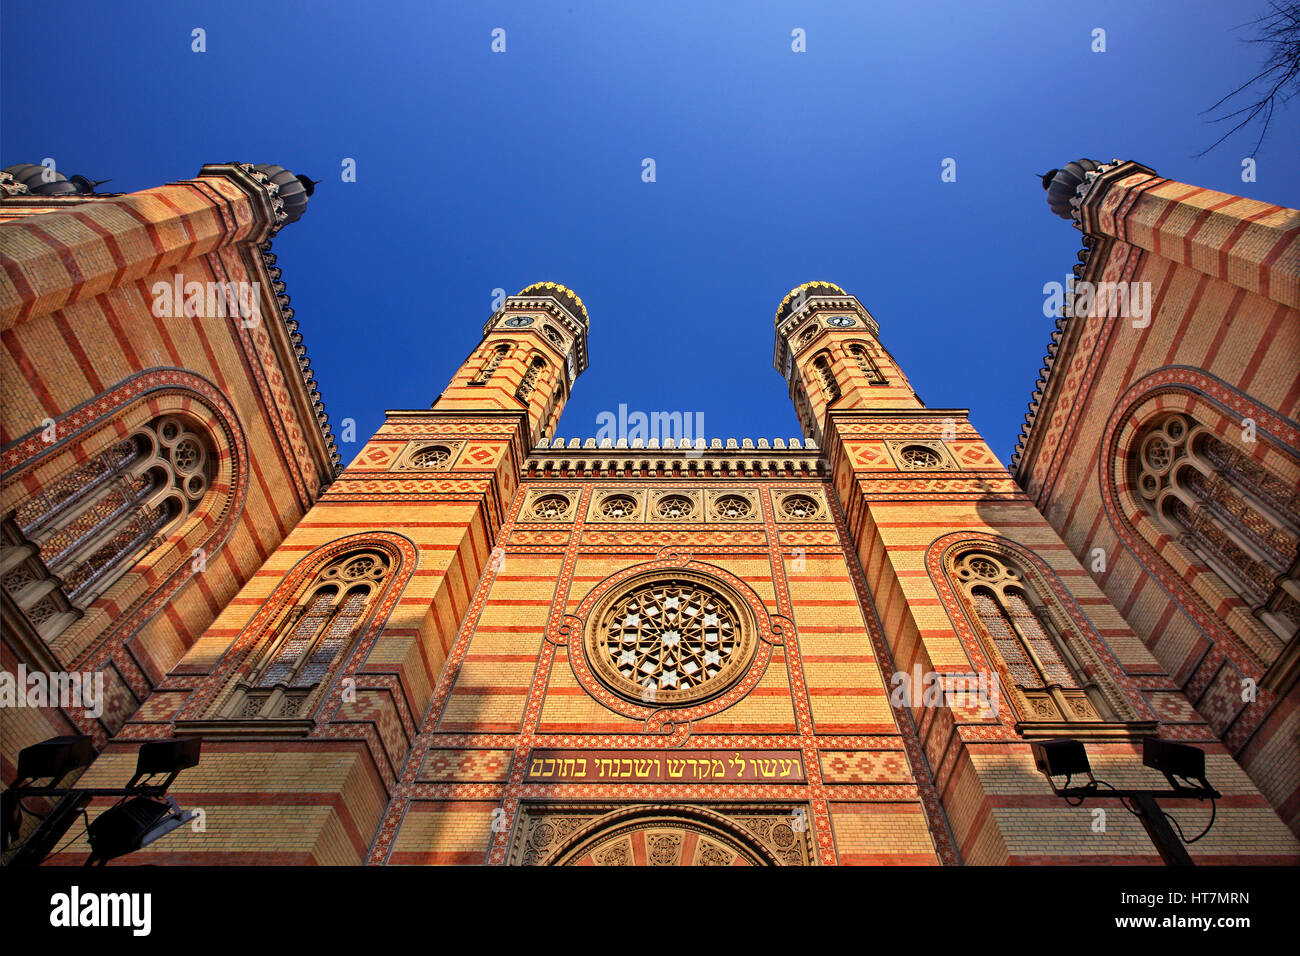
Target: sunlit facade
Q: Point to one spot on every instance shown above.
(487, 642)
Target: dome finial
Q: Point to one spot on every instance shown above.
(564, 294)
(1061, 185)
(294, 190)
(48, 181)
(817, 287)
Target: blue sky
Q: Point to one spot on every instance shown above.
(478, 171)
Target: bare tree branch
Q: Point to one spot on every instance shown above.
(1279, 31)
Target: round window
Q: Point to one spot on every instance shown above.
(799, 506)
(618, 507)
(732, 507)
(670, 638)
(674, 507)
(550, 507)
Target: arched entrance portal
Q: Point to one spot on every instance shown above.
(667, 836)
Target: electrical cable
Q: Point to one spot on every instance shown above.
(85, 828)
(1214, 810)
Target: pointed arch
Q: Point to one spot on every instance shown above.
(682, 835)
(1017, 621)
(316, 627)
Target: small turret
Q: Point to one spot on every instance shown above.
(1061, 185)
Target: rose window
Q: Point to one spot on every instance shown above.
(918, 456)
(669, 640)
(186, 454)
(674, 506)
(362, 567)
(550, 507)
(358, 567)
(1158, 453)
(799, 506)
(434, 456)
(733, 507)
(618, 507)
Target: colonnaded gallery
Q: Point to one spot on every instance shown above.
(483, 642)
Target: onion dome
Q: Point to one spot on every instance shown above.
(1062, 183)
(44, 181)
(565, 295)
(808, 289)
(294, 190)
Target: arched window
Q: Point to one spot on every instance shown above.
(310, 638)
(829, 385)
(1023, 629)
(69, 542)
(858, 352)
(1226, 508)
(490, 366)
(530, 378)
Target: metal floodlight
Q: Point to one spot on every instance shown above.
(1065, 758)
(1174, 760)
(131, 825)
(144, 815)
(1061, 758)
(166, 756)
(176, 818)
(54, 758)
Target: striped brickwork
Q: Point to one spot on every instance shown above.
(901, 522)
(87, 356)
(314, 790)
(1221, 346)
(518, 682)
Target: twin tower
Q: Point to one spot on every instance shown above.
(535, 346)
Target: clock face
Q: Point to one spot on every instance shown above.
(519, 321)
(841, 320)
